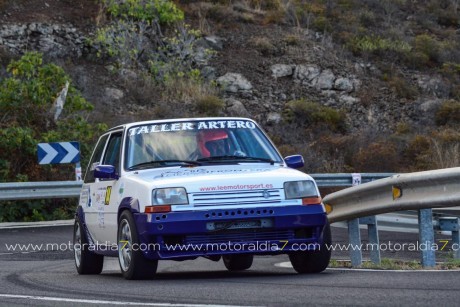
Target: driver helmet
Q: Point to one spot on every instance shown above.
(213, 142)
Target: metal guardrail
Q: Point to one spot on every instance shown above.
(39, 190)
(341, 180)
(71, 189)
(421, 190)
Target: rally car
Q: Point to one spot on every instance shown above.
(180, 189)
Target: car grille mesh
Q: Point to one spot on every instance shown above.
(270, 196)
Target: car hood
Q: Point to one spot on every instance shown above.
(220, 177)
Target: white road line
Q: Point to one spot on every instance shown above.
(289, 265)
(101, 302)
(17, 225)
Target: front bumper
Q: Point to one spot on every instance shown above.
(183, 235)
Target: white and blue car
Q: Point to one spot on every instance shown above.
(180, 189)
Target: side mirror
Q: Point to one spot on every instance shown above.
(105, 172)
(295, 161)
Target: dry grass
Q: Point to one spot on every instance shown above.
(186, 90)
(263, 45)
(445, 155)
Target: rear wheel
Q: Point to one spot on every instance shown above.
(238, 262)
(133, 264)
(86, 261)
(314, 261)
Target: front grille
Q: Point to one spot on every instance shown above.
(235, 237)
(240, 197)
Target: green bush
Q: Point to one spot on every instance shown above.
(306, 113)
(417, 59)
(451, 69)
(449, 19)
(378, 45)
(263, 45)
(299, 13)
(135, 39)
(321, 24)
(163, 12)
(36, 210)
(402, 88)
(448, 113)
(367, 18)
(210, 105)
(428, 45)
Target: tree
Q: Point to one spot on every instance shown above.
(26, 106)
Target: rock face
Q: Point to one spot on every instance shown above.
(55, 40)
(325, 80)
(236, 108)
(113, 94)
(281, 70)
(433, 85)
(233, 83)
(343, 84)
(264, 84)
(306, 72)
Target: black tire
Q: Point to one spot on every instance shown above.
(238, 262)
(86, 262)
(313, 261)
(132, 262)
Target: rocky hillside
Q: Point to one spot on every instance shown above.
(353, 85)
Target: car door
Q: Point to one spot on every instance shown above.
(110, 191)
(97, 209)
(90, 188)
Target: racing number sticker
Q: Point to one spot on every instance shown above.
(107, 195)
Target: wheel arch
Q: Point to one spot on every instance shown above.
(128, 203)
(80, 216)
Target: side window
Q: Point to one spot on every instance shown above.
(112, 154)
(95, 158)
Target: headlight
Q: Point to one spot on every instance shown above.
(300, 189)
(169, 196)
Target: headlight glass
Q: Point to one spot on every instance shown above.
(169, 196)
(300, 189)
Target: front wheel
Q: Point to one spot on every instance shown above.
(238, 262)
(133, 264)
(314, 261)
(86, 262)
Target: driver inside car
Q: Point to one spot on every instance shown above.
(212, 143)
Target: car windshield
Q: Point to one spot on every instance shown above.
(197, 142)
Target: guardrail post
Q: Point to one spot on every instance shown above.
(426, 237)
(354, 238)
(373, 234)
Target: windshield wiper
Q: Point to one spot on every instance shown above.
(162, 163)
(237, 158)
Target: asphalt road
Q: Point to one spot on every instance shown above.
(49, 278)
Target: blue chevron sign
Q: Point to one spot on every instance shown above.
(56, 153)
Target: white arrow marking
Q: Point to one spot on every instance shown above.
(72, 152)
(50, 153)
